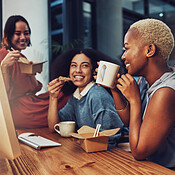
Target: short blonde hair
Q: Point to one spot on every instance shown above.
(154, 31)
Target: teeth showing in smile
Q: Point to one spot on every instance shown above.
(78, 77)
(127, 65)
(22, 43)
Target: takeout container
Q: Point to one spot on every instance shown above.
(94, 144)
(31, 68)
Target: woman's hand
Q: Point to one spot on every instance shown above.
(54, 87)
(129, 88)
(10, 59)
(115, 82)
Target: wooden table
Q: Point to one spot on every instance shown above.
(70, 158)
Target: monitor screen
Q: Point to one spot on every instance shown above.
(9, 145)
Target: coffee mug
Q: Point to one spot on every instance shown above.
(106, 74)
(65, 128)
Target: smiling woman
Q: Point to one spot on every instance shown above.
(81, 71)
(89, 104)
(28, 109)
(150, 113)
(21, 37)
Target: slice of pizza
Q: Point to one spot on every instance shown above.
(65, 79)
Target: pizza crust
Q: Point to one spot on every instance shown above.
(65, 79)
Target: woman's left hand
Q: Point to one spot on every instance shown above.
(129, 88)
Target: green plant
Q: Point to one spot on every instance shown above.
(58, 48)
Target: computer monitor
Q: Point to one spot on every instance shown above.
(9, 145)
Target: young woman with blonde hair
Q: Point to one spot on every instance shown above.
(149, 115)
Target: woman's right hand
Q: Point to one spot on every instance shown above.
(54, 87)
(10, 59)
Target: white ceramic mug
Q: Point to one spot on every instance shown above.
(106, 74)
(65, 128)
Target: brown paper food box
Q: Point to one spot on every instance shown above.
(94, 144)
(29, 68)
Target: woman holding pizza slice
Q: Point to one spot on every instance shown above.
(89, 104)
